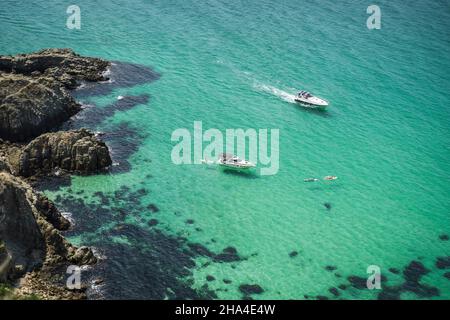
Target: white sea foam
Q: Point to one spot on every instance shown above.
(284, 95)
(98, 253)
(68, 216)
(107, 72)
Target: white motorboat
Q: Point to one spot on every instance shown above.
(230, 161)
(304, 97)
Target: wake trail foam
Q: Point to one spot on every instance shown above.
(286, 96)
(257, 84)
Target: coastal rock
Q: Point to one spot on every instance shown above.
(30, 106)
(5, 262)
(29, 231)
(34, 96)
(63, 65)
(19, 229)
(73, 151)
(4, 166)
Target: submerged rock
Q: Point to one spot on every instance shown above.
(74, 151)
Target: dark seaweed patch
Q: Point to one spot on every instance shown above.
(447, 275)
(124, 141)
(227, 281)
(142, 191)
(200, 250)
(358, 282)
(443, 262)
(249, 289)
(444, 237)
(91, 115)
(327, 205)
(210, 278)
(390, 293)
(334, 291)
(322, 298)
(293, 254)
(415, 271)
(412, 275)
(394, 270)
(152, 261)
(123, 75)
(189, 221)
(153, 208)
(152, 264)
(330, 268)
(103, 199)
(229, 254)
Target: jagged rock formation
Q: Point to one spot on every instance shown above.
(35, 99)
(31, 106)
(29, 231)
(5, 262)
(73, 151)
(63, 65)
(33, 90)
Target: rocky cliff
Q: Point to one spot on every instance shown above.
(30, 231)
(34, 99)
(63, 65)
(34, 96)
(73, 151)
(30, 106)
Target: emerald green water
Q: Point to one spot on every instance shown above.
(236, 64)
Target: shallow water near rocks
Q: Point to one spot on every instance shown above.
(162, 227)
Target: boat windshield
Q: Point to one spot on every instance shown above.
(226, 156)
(304, 94)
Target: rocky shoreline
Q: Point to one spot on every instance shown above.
(35, 100)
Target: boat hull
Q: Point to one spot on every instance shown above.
(311, 105)
(232, 167)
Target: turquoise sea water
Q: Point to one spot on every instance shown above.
(236, 64)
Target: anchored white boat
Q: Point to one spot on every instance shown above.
(304, 97)
(230, 161)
